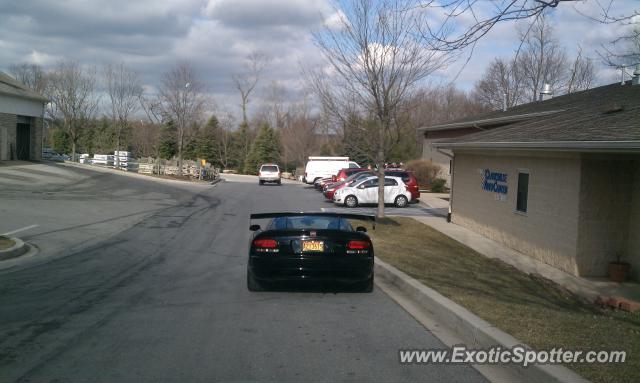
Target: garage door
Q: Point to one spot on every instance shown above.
(23, 140)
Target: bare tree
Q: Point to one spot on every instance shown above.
(124, 91)
(454, 16)
(378, 58)
(247, 80)
(275, 103)
(73, 99)
(542, 59)
(182, 102)
(146, 138)
(624, 51)
(581, 74)
(225, 136)
(298, 132)
(30, 75)
(501, 86)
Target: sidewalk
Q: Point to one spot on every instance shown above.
(589, 288)
(435, 200)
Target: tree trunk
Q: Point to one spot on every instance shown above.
(73, 150)
(180, 139)
(380, 161)
(118, 148)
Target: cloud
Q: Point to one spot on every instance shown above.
(216, 36)
(259, 14)
(40, 58)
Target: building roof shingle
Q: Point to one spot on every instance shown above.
(605, 114)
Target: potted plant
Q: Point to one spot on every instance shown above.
(618, 269)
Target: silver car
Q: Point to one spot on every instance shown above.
(269, 173)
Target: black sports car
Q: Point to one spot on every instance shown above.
(310, 247)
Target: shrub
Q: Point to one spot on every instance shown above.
(425, 171)
(437, 186)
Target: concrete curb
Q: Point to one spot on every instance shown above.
(16, 250)
(475, 332)
(141, 176)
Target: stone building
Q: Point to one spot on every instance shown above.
(558, 180)
(21, 121)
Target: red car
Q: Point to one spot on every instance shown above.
(328, 190)
(409, 179)
(344, 173)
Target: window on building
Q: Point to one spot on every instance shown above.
(523, 192)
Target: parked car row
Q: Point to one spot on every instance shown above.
(352, 185)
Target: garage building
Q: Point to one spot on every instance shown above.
(558, 180)
(21, 121)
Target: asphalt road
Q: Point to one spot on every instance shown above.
(165, 300)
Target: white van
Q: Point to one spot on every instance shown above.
(323, 167)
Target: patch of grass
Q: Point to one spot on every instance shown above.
(5, 242)
(529, 307)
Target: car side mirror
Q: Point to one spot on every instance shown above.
(361, 187)
(254, 227)
(361, 229)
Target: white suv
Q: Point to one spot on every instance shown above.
(269, 173)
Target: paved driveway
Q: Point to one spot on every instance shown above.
(164, 300)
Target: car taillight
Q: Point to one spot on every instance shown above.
(333, 178)
(265, 245)
(358, 247)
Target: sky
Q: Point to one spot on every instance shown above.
(216, 36)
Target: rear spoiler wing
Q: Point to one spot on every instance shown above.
(361, 217)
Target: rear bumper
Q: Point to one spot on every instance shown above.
(343, 269)
(269, 179)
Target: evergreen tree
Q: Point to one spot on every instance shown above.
(168, 147)
(60, 141)
(357, 142)
(265, 148)
(206, 144)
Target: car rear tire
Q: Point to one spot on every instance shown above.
(351, 201)
(252, 284)
(401, 201)
(279, 183)
(261, 183)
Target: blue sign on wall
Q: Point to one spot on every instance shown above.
(494, 182)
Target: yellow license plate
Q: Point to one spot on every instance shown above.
(312, 246)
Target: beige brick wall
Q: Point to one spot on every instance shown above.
(633, 243)
(7, 135)
(36, 138)
(549, 229)
(605, 198)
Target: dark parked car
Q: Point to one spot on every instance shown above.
(310, 247)
(319, 184)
